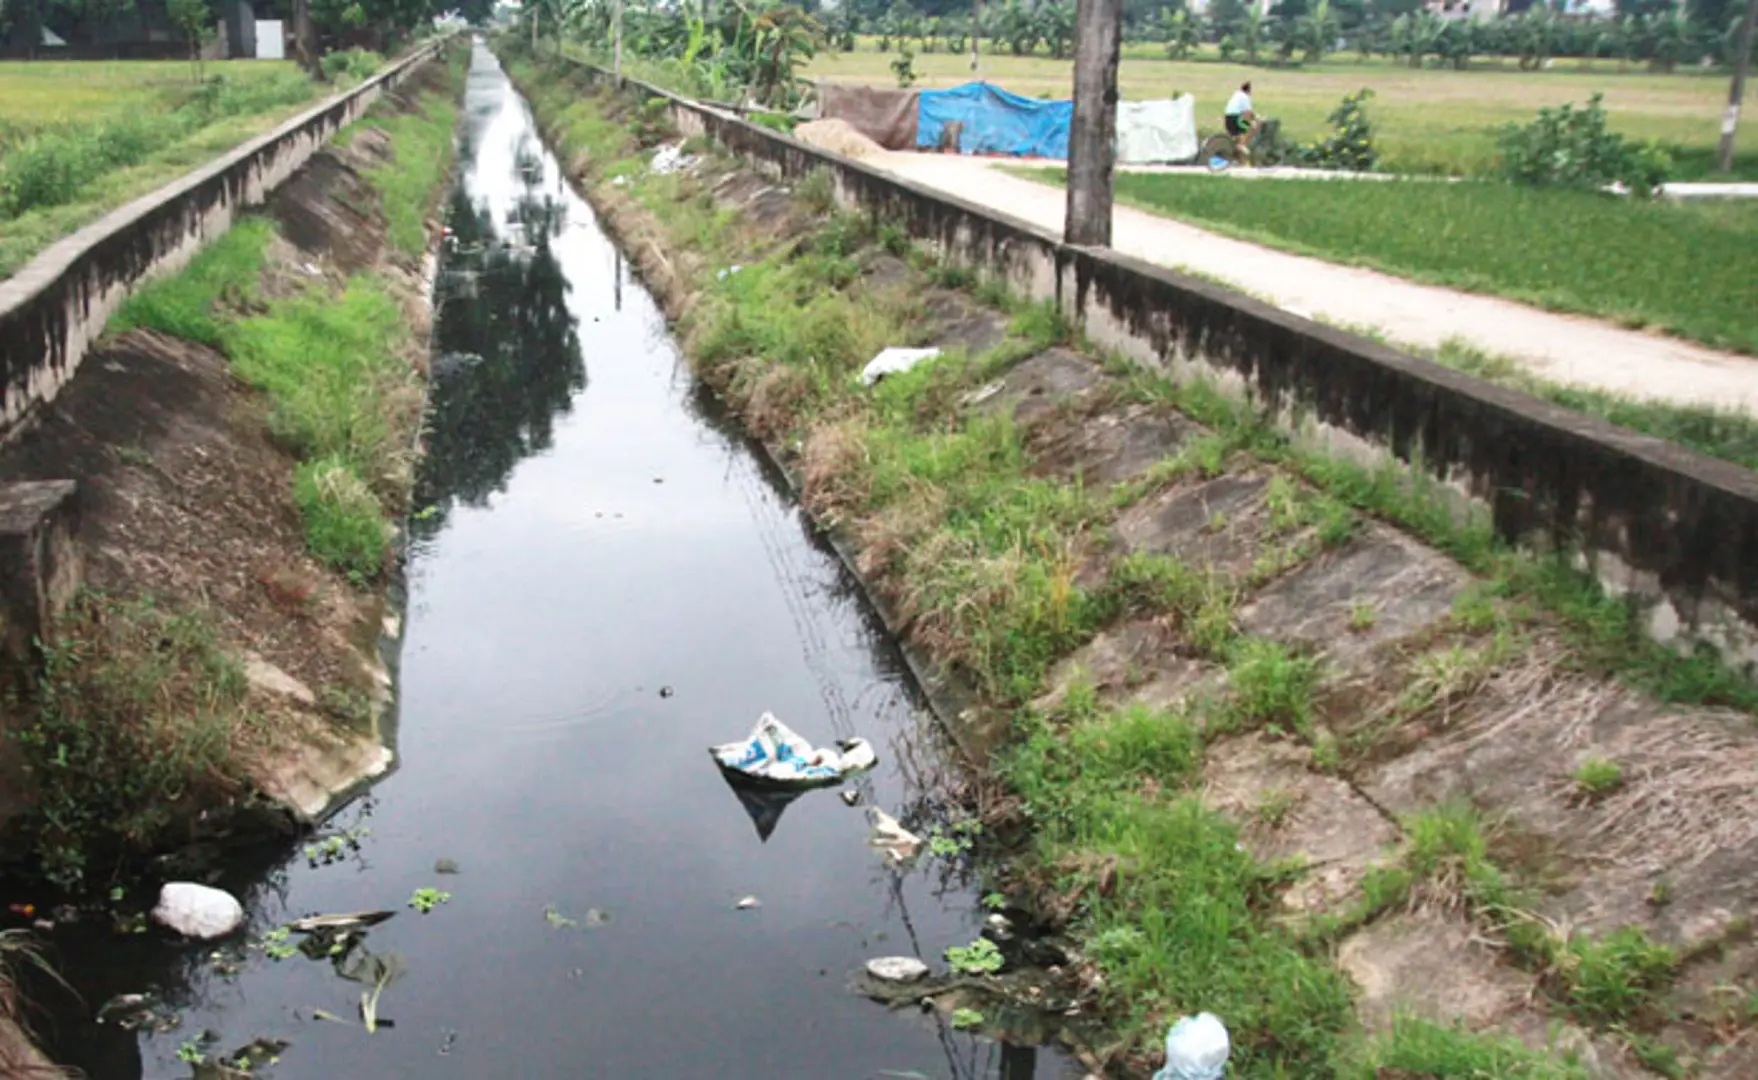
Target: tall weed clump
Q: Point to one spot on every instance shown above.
(132, 724)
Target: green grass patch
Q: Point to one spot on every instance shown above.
(1183, 927)
(1684, 269)
(184, 304)
(326, 362)
(1421, 1048)
(422, 153)
(344, 522)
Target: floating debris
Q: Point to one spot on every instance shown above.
(897, 969)
(897, 844)
(749, 903)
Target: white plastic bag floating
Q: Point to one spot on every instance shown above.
(893, 361)
(1197, 1048)
(775, 754)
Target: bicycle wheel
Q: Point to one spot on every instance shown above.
(1217, 151)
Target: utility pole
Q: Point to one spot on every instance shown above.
(616, 56)
(1092, 136)
(976, 29)
(1730, 121)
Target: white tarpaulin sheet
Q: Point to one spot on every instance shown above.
(1156, 132)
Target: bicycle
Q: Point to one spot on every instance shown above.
(1263, 148)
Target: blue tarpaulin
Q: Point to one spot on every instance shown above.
(995, 121)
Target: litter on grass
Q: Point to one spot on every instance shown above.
(893, 361)
(774, 755)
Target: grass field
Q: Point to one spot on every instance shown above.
(78, 139)
(1428, 121)
(1685, 269)
(40, 94)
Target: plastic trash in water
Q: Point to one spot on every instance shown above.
(893, 361)
(776, 756)
(1197, 1048)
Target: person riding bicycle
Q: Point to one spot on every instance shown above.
(1240, 117)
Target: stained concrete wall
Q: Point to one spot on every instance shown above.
(1675, 531)
(56, 306)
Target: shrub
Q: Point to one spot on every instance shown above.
(1350, 145)
(354, 64)
(1573, 148)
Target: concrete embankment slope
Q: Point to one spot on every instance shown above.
(178, 512)
(1465, 788)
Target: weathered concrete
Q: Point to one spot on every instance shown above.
(1674, 530)
(54, 308)
(40, 569)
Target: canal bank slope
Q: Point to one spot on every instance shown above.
(240, 445)
(1272, 735)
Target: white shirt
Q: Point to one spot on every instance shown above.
(1239, 104)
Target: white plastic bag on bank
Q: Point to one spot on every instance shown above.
(1197, 1048)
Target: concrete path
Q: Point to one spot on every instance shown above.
(1564, 348)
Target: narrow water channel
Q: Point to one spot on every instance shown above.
(604, 580)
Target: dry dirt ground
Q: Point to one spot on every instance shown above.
(186, 499)
(1424, 706)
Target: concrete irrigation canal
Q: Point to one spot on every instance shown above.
(604, 580)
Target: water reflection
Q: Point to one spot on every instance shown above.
(508, 360)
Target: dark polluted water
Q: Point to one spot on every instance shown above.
(604, 579)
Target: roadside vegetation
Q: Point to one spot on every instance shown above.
(74, 146)
(1680, 268)
(997, 568)
(142, 718)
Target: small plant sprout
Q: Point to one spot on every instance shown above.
(957, 840)
(994, 901)
(1597, 777)
(425, 899)
(966, 1019)
(980, 957)
(1275, 807)
(190, 1053)
(1362, 616)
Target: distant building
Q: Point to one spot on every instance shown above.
(143, 32)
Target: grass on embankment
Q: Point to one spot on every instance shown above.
(1685, 269)
(334, 364)
(75, 144)
(956, 531)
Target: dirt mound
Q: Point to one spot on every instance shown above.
(837, 136)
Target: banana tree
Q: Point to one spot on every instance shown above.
(1055, 23)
